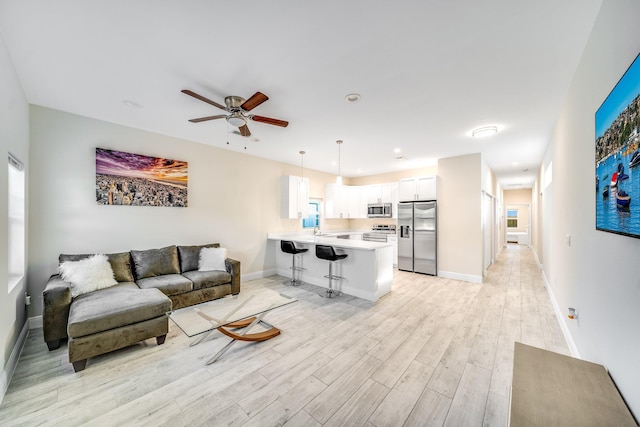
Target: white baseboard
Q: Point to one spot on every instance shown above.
(458, 276)
(560, 316)
(35, 322)
(12, 363)
(258, 274)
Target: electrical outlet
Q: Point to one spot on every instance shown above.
(567, 239)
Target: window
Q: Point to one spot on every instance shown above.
(313, 220)
(512, 218)
(16, 232)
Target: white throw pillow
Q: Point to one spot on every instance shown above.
(212, 259)
(88, 275)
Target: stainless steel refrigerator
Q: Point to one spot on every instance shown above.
(417, 243)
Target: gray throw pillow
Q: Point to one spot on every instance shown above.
(156, 262)
(190, 256)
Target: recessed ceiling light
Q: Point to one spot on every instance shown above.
(397, 150)
(352, 97)
(484, 131)
(515, 163)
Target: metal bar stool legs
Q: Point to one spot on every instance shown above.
(288, 246)
(329, 254)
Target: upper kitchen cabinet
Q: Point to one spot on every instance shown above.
(381, 193)
(342, 201)
(294, 194)
(421, 188)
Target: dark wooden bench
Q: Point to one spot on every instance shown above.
(551, 389)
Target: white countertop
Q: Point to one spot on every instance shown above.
(329, 239)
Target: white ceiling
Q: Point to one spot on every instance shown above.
(428, 71)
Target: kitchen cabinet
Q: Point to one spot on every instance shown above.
(420, 188)
(294, 196)
(381, 193)
(342, 201)
(394, 240)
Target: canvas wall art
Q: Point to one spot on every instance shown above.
(618, 158)
(135, 180)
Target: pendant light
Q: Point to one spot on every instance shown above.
(302, 184)
(339, 177)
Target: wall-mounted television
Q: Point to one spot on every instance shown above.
(618, 157)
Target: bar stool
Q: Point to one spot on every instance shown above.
(328, 253)
(287, 246)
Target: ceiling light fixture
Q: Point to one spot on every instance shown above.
(484, 131)
(352, 97)
(236, 120)
(339, 177)
(302, 163)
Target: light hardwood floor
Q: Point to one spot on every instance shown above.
(432, 352)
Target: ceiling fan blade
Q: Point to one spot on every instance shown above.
(270, 121)
(202, 98)
(244, 130)
(204, 119)
(255, 100)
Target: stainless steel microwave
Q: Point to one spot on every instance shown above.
(379, 210)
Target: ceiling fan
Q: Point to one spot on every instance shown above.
(238, 108)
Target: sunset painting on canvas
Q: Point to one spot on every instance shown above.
(136, 180)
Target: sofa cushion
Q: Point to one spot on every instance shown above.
(120, 305)
(156, 262)
(88, 275)
(207, 279)
(120, 264)
(169, 284)
(190, 256)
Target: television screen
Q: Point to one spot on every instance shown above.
(618, 157)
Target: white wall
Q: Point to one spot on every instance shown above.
(460, 240)
(597, 273)
(14, 137)
(234, 198)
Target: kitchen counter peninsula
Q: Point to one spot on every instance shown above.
(367, 272)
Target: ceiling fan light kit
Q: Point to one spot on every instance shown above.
(238, 108)
(236, 120)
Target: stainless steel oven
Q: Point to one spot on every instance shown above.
(379, 210)
(379, 233)
(374, 237)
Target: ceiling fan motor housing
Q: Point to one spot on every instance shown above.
(233, 102)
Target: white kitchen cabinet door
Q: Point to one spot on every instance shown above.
(394, 240)
(407, 190)
(421, 188)
(386, 192)
(426, 188)
(353, 198)
(294, 196)
(373, 193)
